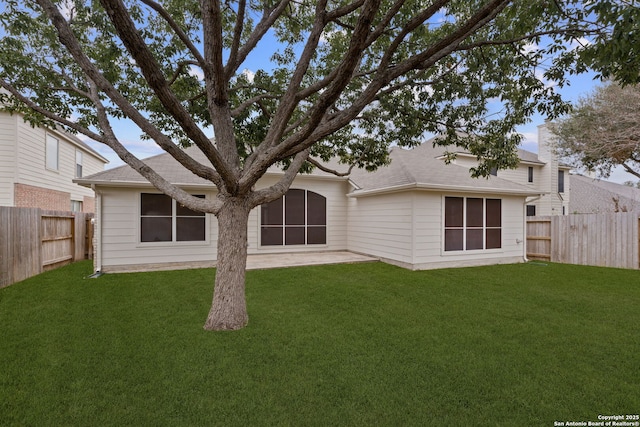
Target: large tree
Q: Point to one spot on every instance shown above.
(339, 78)
(603, 130)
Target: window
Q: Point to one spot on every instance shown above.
(560, 181)
(472, 223)
(530, 174)
(531, 210)
(78, 164)
(297, 218)
(162, 219)
(494, 171)
(51, 153)
(76, 206)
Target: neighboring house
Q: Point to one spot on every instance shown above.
(540, 172)
(589, 195)
(37, 167)
(417, 213)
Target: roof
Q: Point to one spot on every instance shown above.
(422, 168)
(415, 168)
(589, 195)
(171, 170)
(79, 143)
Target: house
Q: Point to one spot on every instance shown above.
(589, 195)
(542, 172)
(418, 213)
(38, 165)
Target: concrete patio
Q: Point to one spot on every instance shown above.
(256, 262)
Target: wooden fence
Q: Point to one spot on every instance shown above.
(33, 240)
(607, 240)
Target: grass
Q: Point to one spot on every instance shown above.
(362, 344)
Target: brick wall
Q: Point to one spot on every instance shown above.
(89, 204)
(28, 196)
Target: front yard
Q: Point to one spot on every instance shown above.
(361, 344)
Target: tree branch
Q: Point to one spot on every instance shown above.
(176, 28)
(175, 192)
(93, 74)
(266, 195)
(153, 75)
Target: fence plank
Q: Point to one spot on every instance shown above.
(607, 240)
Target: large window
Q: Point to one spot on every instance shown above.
(472, 223)
(297, 218)
(51, 153)
(162, 219)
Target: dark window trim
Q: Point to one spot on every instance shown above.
(459, 236)
(289, 227)
(177, 213)
(560, 181)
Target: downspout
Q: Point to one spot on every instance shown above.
(524, 225)
(97, 235)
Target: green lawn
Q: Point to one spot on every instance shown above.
(363, 344)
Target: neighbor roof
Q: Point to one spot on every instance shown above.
(589, 195)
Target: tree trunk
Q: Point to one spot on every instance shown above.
(229, 308)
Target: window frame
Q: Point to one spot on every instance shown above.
(560, 181)
(530, 174)
(48, 157)
(464, 229)
(300, 225)
(174, 218)
(530, 208)
(79, 163)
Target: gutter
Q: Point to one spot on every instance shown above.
(442, 188)
(97, 263)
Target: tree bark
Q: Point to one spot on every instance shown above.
(229, 308)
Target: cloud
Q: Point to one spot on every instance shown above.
(250, 75)
(196, 72)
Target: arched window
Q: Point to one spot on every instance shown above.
(297, 218)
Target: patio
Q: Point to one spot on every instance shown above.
(257, 262)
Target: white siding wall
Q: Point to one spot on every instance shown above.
(7, 158)
(31, 162)
(552, 203)
(333, 190)
(407, 229)
(382, 226)
(120, 239)
(430, 235)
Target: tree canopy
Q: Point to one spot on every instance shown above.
(294, 83)
(603, 130)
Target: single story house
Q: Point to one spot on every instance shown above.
(417, 212)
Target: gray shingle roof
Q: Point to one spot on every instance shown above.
(171, 170)
(421, 167)
(589, 195)
(418, 167)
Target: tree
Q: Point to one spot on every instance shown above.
(603, 131)
(344, 78)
